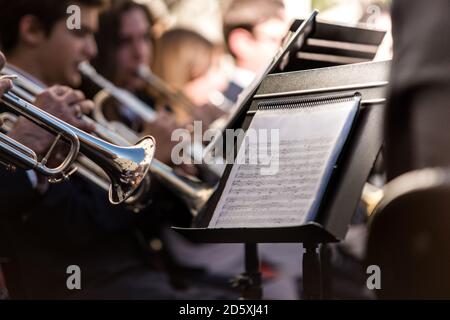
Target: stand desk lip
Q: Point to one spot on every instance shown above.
(310, 232)
(352, 87)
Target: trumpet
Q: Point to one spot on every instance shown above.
(193, 192)
(168, 92)
(140, 109)
(216, 98)
(197, 152)
(125, 167)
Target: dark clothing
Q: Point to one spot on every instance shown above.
(408, 236)
(17, 192)
(73, 224)
(419, 102)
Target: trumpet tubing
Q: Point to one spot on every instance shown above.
(16, 153)
(125, 97)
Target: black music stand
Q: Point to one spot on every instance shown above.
(347, 181)
(333, 44)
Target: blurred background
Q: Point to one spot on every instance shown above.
(204, 16)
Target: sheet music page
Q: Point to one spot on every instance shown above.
(284, 186)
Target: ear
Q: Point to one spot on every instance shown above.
(239, 42)
(31, 31)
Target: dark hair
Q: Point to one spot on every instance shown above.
(107, 36)
(48, 12)
(247, 14)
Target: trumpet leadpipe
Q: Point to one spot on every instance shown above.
(121, 95)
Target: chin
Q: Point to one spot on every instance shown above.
(135, 85)
(74, 80)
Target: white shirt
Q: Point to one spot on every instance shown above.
(243, 77)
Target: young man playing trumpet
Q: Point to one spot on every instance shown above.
(69, 224)
(21, 190)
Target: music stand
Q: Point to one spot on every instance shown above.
(344, 190)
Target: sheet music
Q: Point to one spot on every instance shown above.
(310, 140)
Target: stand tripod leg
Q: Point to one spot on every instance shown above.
(250, 281)
(312, 273)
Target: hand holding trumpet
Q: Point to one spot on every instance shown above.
(5, 82)
(62, 102)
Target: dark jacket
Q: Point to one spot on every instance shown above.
(419, 102)
(72, 224)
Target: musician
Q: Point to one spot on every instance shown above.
(5, 85)
(253, 31)
(416, 123)
(124, 43)
(190, 63)
(416, 134)
(61, 101)
(70, 223)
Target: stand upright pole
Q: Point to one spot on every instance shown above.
(312, 272)
(250, 281)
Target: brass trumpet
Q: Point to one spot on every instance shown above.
(173, 95)
(140, 109)
(169, 93)
(217, 99)
(125, 167)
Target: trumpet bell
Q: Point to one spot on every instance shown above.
(131, 166)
